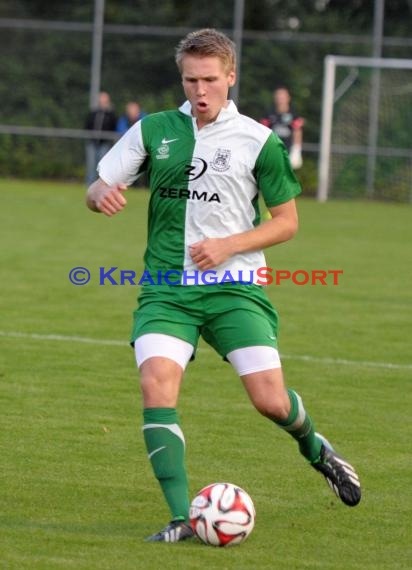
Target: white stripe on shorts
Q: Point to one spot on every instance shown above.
(155, 344)
(254, 359)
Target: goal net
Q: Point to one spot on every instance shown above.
(366, 130)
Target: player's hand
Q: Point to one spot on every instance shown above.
(210, 252)
(107, 199)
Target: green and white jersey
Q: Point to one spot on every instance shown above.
(204, 183)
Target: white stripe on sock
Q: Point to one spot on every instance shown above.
(174, 428)
(300, 418)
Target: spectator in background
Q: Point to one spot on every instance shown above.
(287, 125)
(103, 118)
(133, 113)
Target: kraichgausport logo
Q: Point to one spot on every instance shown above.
(263, 276)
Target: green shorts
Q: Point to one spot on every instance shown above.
(227, 316)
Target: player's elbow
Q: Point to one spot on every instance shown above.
(290, 227)
(289, 233)
(293, 227)
(285, 220)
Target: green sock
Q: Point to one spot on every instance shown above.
(165, 445)
(300, 426)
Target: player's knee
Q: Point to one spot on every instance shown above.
(277, 410)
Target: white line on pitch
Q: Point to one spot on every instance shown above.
(111, 342)
(344, 361)
(63, 338)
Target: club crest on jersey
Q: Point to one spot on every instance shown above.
(162, 152)
(221, 160)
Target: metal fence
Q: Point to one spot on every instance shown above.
(88, 42)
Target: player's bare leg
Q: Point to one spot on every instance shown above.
(161, 379)
(270, 397)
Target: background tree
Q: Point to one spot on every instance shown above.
(45, 74)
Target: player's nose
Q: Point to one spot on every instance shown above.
(201, 88)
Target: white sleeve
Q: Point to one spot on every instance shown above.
(121, 164)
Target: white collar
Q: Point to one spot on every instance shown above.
(225, 113)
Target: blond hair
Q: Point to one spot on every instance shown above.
(207, 42)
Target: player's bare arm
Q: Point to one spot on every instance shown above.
(210, 253)
(106, 199)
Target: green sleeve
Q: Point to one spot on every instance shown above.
(274, 175)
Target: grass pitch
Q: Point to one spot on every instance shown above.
(76, 488)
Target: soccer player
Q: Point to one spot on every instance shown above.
(206, 165)
(287, 125)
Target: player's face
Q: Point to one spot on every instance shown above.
(281, 98)
(206, 84)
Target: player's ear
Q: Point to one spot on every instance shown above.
(231, 78)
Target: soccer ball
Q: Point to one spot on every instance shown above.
(222, 514)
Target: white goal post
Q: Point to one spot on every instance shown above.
(362, 130)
